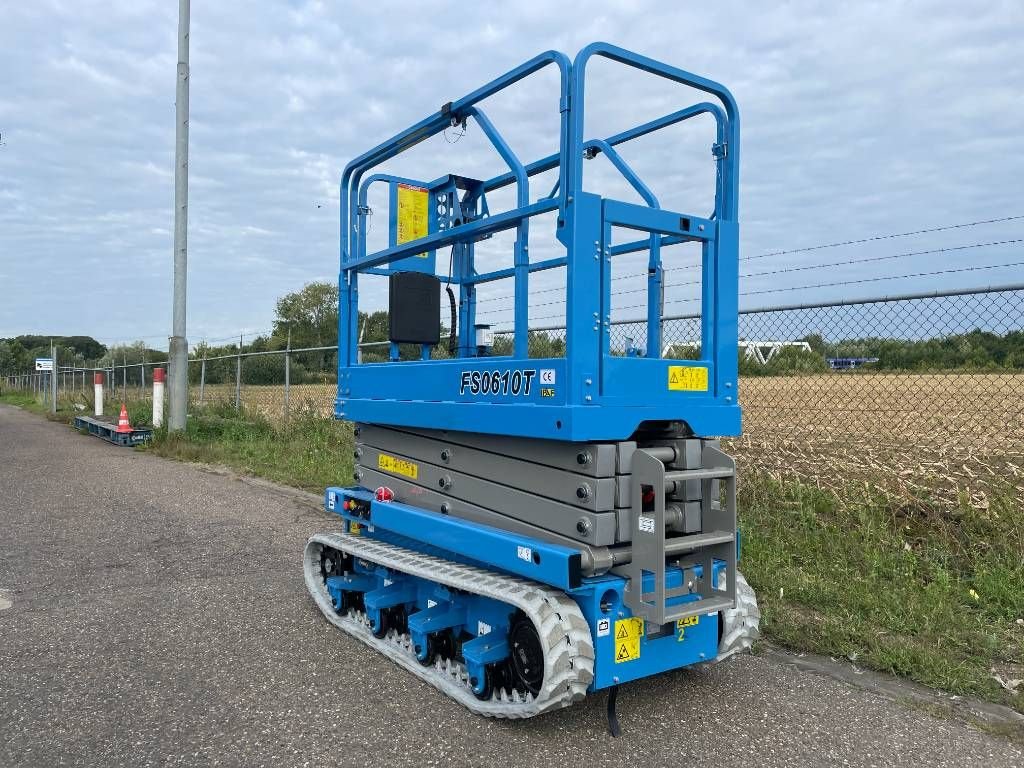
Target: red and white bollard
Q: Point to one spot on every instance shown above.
(97, 385)
(158, 396)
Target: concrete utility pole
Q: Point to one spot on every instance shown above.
(178, 352)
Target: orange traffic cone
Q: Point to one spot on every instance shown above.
(123, 425)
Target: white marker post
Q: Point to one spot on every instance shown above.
(158, 396)
(97, 385)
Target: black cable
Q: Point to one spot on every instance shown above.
(613, 716)
(452, 342)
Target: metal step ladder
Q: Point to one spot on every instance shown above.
(655, 552)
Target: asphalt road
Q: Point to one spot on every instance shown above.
(158, 617)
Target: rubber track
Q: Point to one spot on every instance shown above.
(740, 625)
(565, 634)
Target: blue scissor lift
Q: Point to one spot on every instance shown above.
(525, 530)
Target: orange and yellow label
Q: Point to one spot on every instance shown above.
(397, 466)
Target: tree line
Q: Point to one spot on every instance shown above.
(308, 319)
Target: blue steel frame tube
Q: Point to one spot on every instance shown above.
(348, 316)
(521, 260)
(654, 270)
(719, 321)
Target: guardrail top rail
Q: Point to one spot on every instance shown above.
(596, 391)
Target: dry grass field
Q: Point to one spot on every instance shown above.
(950, 435)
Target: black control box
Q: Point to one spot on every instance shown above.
(414, 308)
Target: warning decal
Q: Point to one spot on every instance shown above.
(397, 466)
(627, 639)
(686, 378)
(413, 207)
(682, 624)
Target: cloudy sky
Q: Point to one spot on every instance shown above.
(865, 120)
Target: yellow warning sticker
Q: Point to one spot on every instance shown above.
(397, 466)
(627, 639)
(687, 378)
(413, 205)
(682, 624)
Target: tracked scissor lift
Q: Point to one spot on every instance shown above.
(523, 531)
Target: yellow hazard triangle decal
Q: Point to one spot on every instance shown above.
(627, 639)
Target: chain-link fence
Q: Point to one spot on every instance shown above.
(925, 391)
(272, 383)
(920, 394)
(915, 393)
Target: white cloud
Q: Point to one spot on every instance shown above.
(857, 118)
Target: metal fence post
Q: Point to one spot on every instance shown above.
(287, 372)
(53, 380)
(202, 378)
(238, 375)
(124, 375)
(142, 376)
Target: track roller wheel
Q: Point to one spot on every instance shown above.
(484, 689)
(381, 627)
(398, 619)
(439, 644)
(527, 655)
(350, 601)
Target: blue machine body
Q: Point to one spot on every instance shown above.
(594, 392)
(600, 598)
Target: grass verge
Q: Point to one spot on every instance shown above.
(307, 451)
(914, 587)
(922, 590)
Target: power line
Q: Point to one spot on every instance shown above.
(836, 284)
(809, 267)
(976, 268)
(848, 262)
(875, 238)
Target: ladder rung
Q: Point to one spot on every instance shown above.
(698, 608)
(697, 541)
(713, 473)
